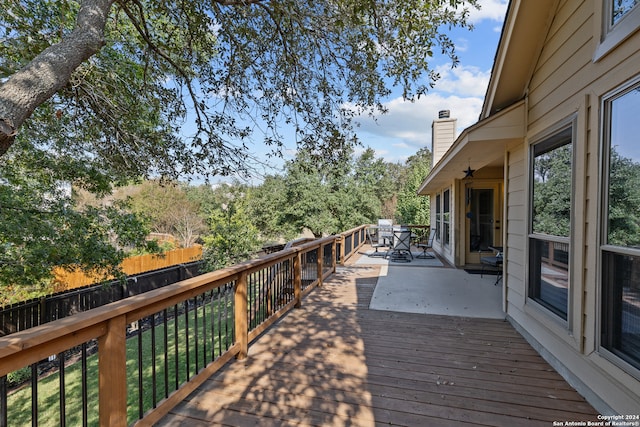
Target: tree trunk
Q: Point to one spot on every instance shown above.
(51, 70)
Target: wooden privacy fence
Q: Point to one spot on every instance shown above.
(131, 266)
(36, 311)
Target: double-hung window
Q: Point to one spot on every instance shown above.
(620, 249)
(438, 217)
(551, 180)
(446, 217)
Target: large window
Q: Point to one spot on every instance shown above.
(620, 331)
(446, 217)
(551, 188)
(438, 217)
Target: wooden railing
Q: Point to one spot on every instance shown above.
(207, 320)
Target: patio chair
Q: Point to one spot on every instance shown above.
(495, 262)
(376, 243)
(426, 246)
(401, 248)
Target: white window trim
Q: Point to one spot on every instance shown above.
(548, 316)
(604, 147)
(612, 36)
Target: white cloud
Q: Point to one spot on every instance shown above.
(463, 80)
(494, 10)
(407, 126)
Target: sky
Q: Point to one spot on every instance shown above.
(406, 127)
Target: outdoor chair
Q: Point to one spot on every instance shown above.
(495, 262)
(401, 248)
(426, 246)
(376, 243)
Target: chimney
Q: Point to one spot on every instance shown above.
(443, 134)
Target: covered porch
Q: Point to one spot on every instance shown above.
(466, 186)
(344, 358)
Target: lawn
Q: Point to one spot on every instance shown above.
(199, 334)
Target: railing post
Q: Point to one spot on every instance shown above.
(341, 249)
(319, 261)
(112, 364)
(240, 313)
(297, 279)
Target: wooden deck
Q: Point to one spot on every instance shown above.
(334, 362)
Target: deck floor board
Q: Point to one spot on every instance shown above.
(334, 362)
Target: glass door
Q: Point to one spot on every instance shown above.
(483, 216)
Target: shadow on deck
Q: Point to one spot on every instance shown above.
(336, 362)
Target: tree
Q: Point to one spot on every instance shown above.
(412, 208)
(112, 80)
(109, 91)
(169, 209)
(232, 237)
(42, 226)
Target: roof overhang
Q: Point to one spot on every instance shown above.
(523, 34)
(480, 145)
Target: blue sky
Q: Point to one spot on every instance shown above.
(406, 127)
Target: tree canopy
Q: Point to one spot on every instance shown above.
(97, 93)
(112, 82)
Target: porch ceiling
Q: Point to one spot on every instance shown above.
(481, 145)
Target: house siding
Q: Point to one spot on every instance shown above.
(566, 84)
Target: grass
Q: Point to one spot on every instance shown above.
(180, 365)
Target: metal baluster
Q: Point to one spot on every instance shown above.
(3, 402)
(186, 319)
(140, 390)
(154, 381)
(166, 353)
(85, 399)
(34, 395)
(175, 345)
(195, 329)
(63, 416)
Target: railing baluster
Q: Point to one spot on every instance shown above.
(195, 333)
(34, 394)
(62, 396)
(85, 389)
(204, 329)
(140, 369)
(3, 402)
(165, 314)
(154, 381)
(186, 326)
(175, 346)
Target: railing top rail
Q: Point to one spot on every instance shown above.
(77, 327)
(354, 229)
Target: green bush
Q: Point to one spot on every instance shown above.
(18, 377)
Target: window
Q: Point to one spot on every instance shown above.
(620, 317)
(619, 8)
(621, 18)
(438, 217)
(551, 189)
(446, 218)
